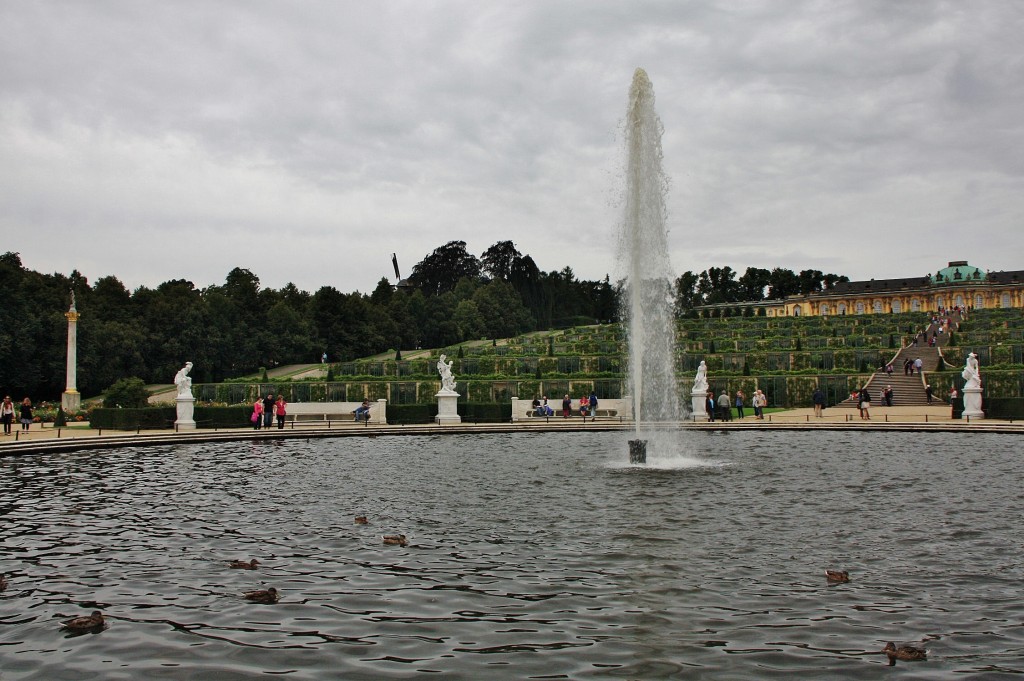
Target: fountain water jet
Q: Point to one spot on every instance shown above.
(643, 254)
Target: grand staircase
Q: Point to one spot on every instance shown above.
(909, 391)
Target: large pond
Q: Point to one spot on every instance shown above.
(529, 556)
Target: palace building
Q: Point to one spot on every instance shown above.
(959, 284)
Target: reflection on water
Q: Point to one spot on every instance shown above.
(529, 556)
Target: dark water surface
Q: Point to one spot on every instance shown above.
(529, 556)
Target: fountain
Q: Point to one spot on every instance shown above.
(643, 254)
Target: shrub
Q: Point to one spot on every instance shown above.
(127, 393)
(148, 418)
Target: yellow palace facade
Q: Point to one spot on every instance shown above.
(959, 284)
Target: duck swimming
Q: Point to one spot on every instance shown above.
(361, 520)
(242, 565)
(84, 623)
(903, 653)
(394, 539)
(263, 596)
(837, 575)
(3, 582)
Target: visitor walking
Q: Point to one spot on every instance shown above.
(759, 401)
(819, 402)
(919, 365)
(566, 406)
(268, 410)
(593, 403)
(887, 395)
(280, 410)
(26, 413)
(724, 410)
(739, 403)
(7, 414)
(929, 393)
(257, 414)
(864, 403)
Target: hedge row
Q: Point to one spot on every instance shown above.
(152, 418)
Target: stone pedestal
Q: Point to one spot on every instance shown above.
(447, 408)
(972, 404)
(71, 401)
(186, 407)
(699, 405)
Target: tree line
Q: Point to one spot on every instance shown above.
(234, 328)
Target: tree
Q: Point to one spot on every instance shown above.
(441, 270)
(753, 283)
(810, 281)
(686, 295)
(830, 280)
(718, 285)
(127, 393)
(469, 320)
(498, 259)
(501, 310)
(782, 283)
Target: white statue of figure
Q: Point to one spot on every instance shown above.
(183, 381)
(971, 372)
(445, 369)
(700, 383)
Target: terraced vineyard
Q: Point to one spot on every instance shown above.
(786, 357)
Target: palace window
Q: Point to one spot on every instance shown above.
(860, 308)
(915, 305)
(877, 307)
(1005, 300)
(979, 301)
(896, 307)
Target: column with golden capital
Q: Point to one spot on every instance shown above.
(71, 400)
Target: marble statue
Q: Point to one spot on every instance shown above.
(971, 373)
(445, 369)
(183, 381)
(700, 383)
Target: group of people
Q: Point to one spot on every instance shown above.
(722, 409)
(266, 409)
(587, 405)
(912, 365)
(8, 409)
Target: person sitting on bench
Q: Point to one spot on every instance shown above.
(363, 412)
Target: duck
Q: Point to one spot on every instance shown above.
(242, 565)
(3, 582)
(903, 653)
(263, 596)
(361, 520)
(837, 575)
(394, 539)
(84, 623)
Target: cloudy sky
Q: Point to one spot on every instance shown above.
(307, 141)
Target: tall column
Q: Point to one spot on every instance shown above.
(71, 400)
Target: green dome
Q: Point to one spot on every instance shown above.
(958, 272)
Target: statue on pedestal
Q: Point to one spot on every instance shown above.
(183, 381)
(445, 369)
(700, 382)
(971, 373)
